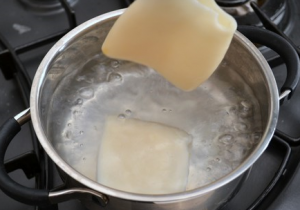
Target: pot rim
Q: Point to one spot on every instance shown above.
(35, 104)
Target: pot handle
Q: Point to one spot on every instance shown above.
(36, 197)
(13, 189)
(283, 48)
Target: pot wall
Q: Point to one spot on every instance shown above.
(209, 201)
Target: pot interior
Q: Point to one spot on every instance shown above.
(228, 115)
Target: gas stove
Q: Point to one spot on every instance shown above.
(30, 27)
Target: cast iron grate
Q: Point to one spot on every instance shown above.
(12, 67)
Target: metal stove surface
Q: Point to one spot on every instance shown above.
(24, 21)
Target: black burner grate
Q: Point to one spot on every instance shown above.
(12, 67)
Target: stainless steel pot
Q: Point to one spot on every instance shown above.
(244, 57)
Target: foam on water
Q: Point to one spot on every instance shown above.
(222, 115)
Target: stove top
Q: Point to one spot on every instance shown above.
(30, 27)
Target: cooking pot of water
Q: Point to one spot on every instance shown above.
(232, 117)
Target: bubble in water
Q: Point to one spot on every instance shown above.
(240, 127)
(245, 109)
(208, 168)
(238, 152)
(128, 112)
(246, 105)
(114, 77)
(170, 110)
(256, 137)
(68, 134)
(84, 78)
(232, 110)
(86, 92)
(245, 114)
(79, 101)
(164, 110)
(115, 64)
(75, 144)
(80, 78)
(81, 132)
(69, 124)
(226, 154)
(81, 145)
(102, 66)
(77, 113)
(99, 68)
(226, 139)
(244, 140)
(121, 116)
(218, 159)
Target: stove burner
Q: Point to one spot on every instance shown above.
(239, 7)
(230, 3)
(242, 11)
(46, 7)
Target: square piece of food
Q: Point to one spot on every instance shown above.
(143, 157)
(183, 40)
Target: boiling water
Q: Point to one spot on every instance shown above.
(222, 115)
